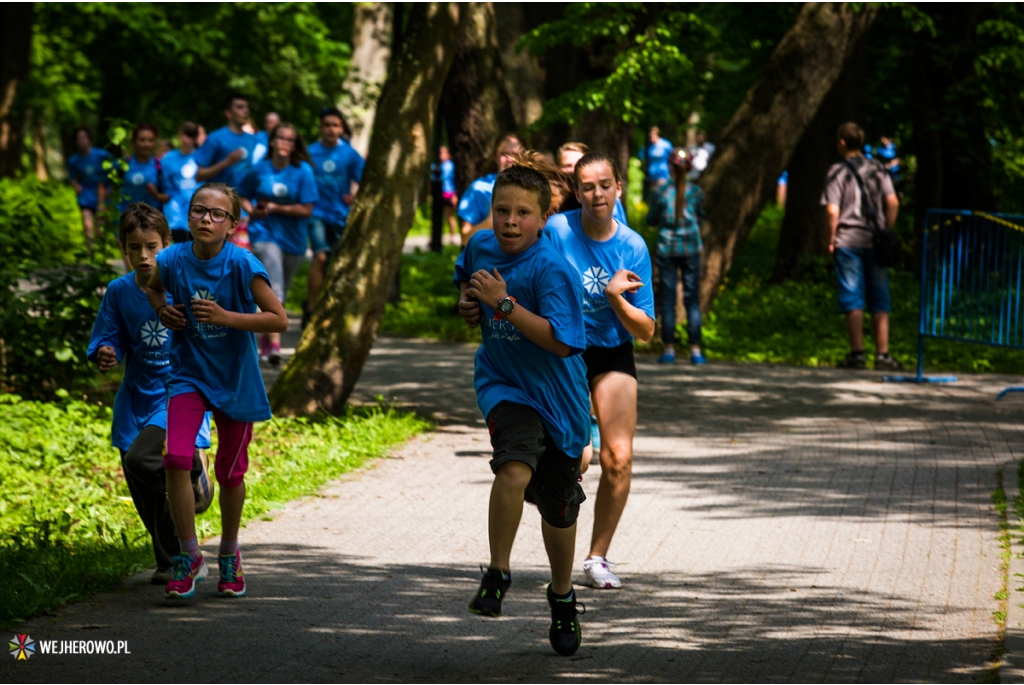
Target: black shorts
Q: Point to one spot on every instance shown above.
(601, 360)
(518, 434)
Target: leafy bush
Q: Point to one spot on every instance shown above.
(67, 523)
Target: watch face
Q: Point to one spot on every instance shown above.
(505, 306)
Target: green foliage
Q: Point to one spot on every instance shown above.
(67, 523)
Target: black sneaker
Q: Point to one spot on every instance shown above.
(854, 360)
(885, 362)
(565, 634)
(493, 586)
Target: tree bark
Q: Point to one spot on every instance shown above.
(371, 50)
(16, 20)
(805, 234)
(474, 103)
(342, 330)
(524, 76)
(764, 131)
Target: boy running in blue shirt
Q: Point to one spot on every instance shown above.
(89, 179)
(128, 330)
(531, 387)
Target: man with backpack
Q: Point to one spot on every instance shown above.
(862, 206)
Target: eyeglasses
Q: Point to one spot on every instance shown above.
(217, 216)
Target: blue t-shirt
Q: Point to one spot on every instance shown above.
(135, 180)
(596, 262)
(656, 157)
(218, 146)
(259, 151)
(475, 204)
(448, 176)
(87, 171)
(178, 181)
(219, 362)
(619, 213)
(511, 368)
(335, 168)
(288, 186)
(127, 323)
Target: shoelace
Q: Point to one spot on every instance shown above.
(230, 573)
(604, 562)
(182, 568)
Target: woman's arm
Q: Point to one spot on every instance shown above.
(490, 289)
(299, 210)
(271, 319)
(634, 319)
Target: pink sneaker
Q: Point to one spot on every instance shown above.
(185, 573)
(264, 347)
(232, 582)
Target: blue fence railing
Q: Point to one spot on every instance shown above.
(972, 281)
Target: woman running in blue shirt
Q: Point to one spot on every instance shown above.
(89, 179)
(475, 205)
(142, 179)
(178, 181)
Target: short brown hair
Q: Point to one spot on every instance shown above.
(527, 178)
(141, 217)
(223, 189)
(582, 148)
(851, 134)
(595, 158)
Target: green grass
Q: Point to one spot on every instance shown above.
(68, 527)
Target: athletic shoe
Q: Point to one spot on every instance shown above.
(203, 486)
(595, 434)
(264, 348)
(186, 572)
(274, 358)
(565, 633)
(161, 576)
(854, 360)
(597, 573)
(885, 362)
(232, 582)
(667, 358)
(493, 586)
(698, 359)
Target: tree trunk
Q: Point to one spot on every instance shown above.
(523, 74)
(805, 233)
(16, 21)
(371, 49)
(758, 142)
(339, 336)
(474, 103)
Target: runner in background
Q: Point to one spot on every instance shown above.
(89, 179)
(654, 157)
(142, 179)
(451, 200)
(475, 205)
(179, 181)
(566, 158)
(271, 120)
(337, 168)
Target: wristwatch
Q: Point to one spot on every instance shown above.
(504, 308)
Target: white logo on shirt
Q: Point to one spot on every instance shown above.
(189, 169)
(330, 166)
(245, 152)
(203, 294)
(89, 170)
(595, 280)
(279, 190)
(154, 333)
(138, 179)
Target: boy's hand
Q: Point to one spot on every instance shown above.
(207, 311)
(172, 316)
(487, 288)
(106, 358)
(624, 280)
(469, 309)
(237, 155)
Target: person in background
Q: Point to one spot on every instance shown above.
(271, 120)
(861, 280)
(781, 186)
(886, 153)
(142, 180)
(700, 154)
(338, 169)
(566, 159)
(89, 179)
(179, 181)
(654, 157)
(475, 205)
(677, 210)
(451, 200)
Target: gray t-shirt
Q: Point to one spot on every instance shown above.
(842, 189)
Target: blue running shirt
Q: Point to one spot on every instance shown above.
(288, 186)
(218, 146)
(87, 171)
(596, 262)
(475, 204)
(135, 180)
(178, 181)
(619, 213)
(656, 156)
(219, 362)
(335, 168)
(259, 151)
(448, 176)
(511, 368)
(127, 323)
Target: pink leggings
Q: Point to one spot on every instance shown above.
(184, 418)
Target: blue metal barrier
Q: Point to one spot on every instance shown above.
(972, 277)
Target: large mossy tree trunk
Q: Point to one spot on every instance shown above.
(759, 140)
(371, 49)
(339, 336)
(16, 21)
(474, 103)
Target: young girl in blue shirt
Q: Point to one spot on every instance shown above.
(214, 367)
(142, 179)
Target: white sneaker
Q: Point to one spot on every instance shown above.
(598, 575)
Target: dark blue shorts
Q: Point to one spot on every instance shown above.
(861, 281)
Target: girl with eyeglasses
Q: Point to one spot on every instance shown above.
(214, 367)
(278, 193)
